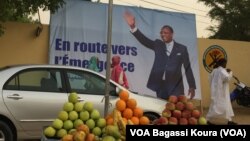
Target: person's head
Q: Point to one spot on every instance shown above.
(115, 60)
(94, 60)
(167, 33)
(222, 62)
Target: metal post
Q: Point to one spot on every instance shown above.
(109, 39)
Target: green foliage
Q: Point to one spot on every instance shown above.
(233, 17)
(20, 10)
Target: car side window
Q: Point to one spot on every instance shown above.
(87, 83)
(36, 80)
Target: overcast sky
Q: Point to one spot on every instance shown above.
(184, 6)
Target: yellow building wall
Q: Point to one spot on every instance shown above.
(19, 45)
(238, 55)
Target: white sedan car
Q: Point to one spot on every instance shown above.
(31, 97)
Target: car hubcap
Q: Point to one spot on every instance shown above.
(2, 136)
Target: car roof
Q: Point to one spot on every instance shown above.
(14, 68)
(38, 65)
(26, 66)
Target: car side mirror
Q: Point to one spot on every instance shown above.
(115, 92)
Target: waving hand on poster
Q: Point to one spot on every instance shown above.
(130, 19)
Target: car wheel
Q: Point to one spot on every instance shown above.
(6, 132)
(151, 116)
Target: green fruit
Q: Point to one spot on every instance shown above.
(116, 134)
(95, 114)
(84, 115)
(68, 106)
(88, 106)
(97, 131)
(63, 115)
(77, 122)
(110, 129)
(68, 124)
(60, 133)
(73, 97)
(101, 122)
(97, 138)
(49, 131)
(90, 123)
(108, 138)
(71, 131)
(202, 121)
(78, 106)
(73, 115)
(104, 130)
(57, 124)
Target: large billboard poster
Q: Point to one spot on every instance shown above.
(78, 31)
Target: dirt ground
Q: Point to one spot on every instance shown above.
(242, 115)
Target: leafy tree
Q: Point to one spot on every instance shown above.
(233, 17)
(20, 10)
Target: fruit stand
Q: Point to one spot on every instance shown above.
(180, 110)
(80, 121)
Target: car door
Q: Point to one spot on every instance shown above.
(91, 87)
(34, 97)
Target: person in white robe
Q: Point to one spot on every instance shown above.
(221, 106)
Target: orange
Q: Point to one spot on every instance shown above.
(83, 127)
(144, 120)
(110, 121)
(110, 115)
(90, 137)
(135, 120)
(124, 95)
(125, 120)
(131, 103)
(67, 137)
(127, 113)
(120, 105)
(138, 112)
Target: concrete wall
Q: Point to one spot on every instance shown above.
(19, 45)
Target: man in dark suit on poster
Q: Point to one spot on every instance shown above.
(166, 76)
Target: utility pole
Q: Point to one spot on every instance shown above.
(109, 39)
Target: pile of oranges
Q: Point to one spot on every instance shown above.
(129, 110)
